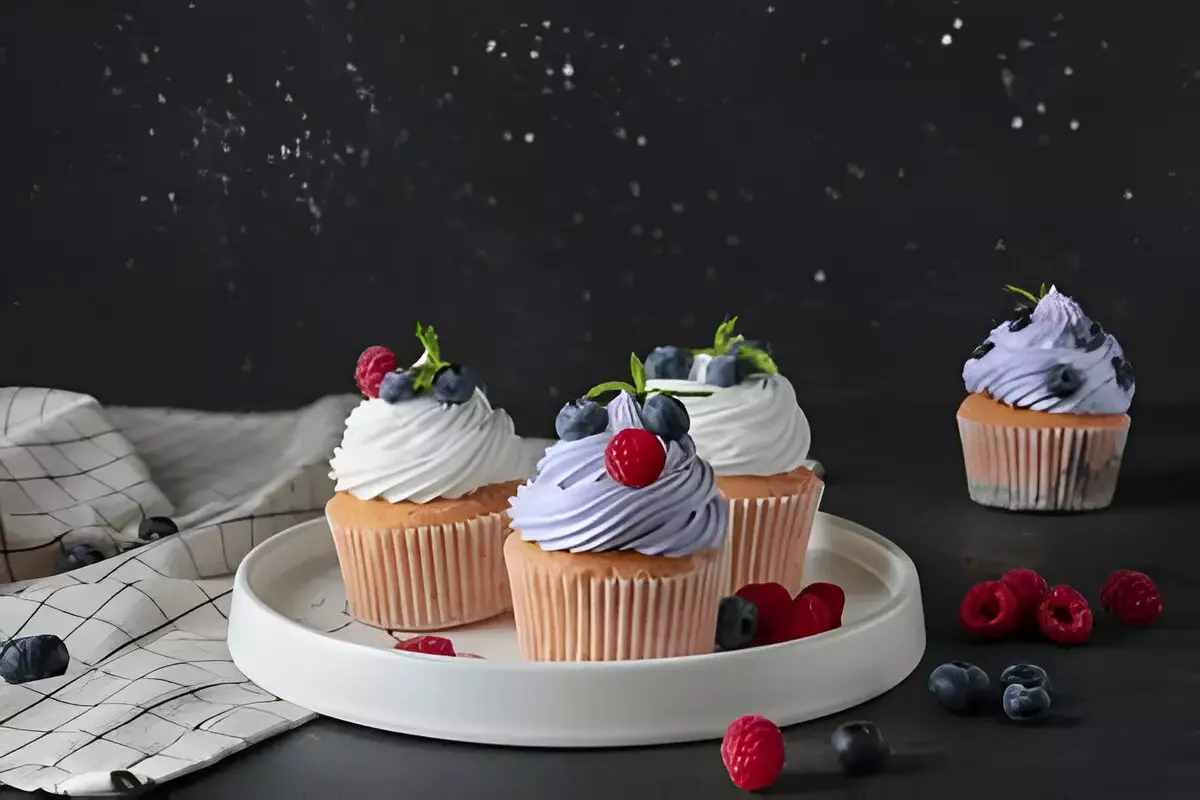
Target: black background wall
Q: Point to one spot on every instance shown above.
(218, 204)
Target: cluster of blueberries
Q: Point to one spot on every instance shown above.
(453, 384)
(663, 415)
(151, 529)
(962, 688)
(675, 363)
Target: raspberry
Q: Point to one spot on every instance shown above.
(1131, 597)
(429, 645)
(1064, 616)
(1029, 587)
(635, 458)
(809, 616)
(774, 604)
(753, 752)
(373, 364)
(990, 610)
(834, 597)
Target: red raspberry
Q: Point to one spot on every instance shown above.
(990, 610)
(635, 458)
(774, 604)
(753, 752)
(1029, 587)
(1132, 597)
(809, 616)
(834, 597)
(429, 645)
(373, 364)
(1064, 616)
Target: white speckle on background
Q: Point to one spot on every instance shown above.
(856, 171)
(1104, 44)
(1000, 244)
(732, 241)
(546, 24)
(657, 233)
(675, 62)
(491, 45)
(958, 23)
(947, 39)
(144, 58)
(506, 136)
(770, 9)
(350, 67)
(1024, 44)
(229, 77)
(1017, 123)
(1127, 194)
(493, 202)
(1007, 78)
(586, 296)
(677, 208)
(568, 69)
(819, 276)
(620, 134)
(454, 70)
(529, 138)
(108, 72)
(713, 195)
(635, 188)
(642, 141)
(636, 229)
(577, 218)
(1041, 108)
(833, 193)
(161, 100)
(1074, 124)
(534, 54)
(152, 131)
(143, 199)
(287, 98)
(1068, 71)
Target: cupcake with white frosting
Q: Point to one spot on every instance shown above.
(747, 425)
(423, 476)
(1045, 422)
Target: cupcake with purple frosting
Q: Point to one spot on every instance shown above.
(1045, 422)
(618, 544)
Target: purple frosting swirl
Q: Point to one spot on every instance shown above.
(574, 505)
(1054, 359)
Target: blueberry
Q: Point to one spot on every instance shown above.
(737, 623)
(958, 686)
(983, 349)
(1093, 340)
(579, 419)
(722, 371)
(398, 385)
(1031, 676)
(151, 529)
(1023, 704)
(1124, 372)
(76, 556)
(1064, 380)
(1023, 318)
(669, 363)
(32, 658)
(455, 384)
(860, 747)
(666, 417)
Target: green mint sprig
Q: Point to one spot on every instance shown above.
(433, 358)
(637, 371)
(1042, 291)
(725, 339)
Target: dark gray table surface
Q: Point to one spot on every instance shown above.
(1125, 714)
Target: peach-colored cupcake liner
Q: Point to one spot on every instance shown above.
(1042, 468)
(613, 606)
(769, 538)
(425, 578)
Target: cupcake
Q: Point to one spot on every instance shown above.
(423, 477)
(617, 551)
(1044, 424)
(747, 425)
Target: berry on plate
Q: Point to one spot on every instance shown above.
(753, 752)
(737, 623)
(833, 597)
(774, 604)
(860, 747)
(374, 363)
(722, 371)
(990, 610)
(1064, 616)
(455, 384)
(669, 363)
(429, 645)
(151, 529)
(33, 658)
(810, 616)
(1131, 597)
(1029, 587)
(1022, 703)
(635, 458)
(580, 419)
(398, 385)
(958, 686)
(666, 417)
(1031, 676)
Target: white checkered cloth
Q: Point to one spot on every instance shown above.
(150, 688)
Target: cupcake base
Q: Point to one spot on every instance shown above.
(613, 606)
(1025, 460)
(423, 566)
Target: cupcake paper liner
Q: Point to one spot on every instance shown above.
(768, 538)
(426, 578)
(567, 612)
(1041, 469)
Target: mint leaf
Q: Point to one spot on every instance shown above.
(761, 360)
(610, 386)
(638, 370)
(426, 372)
(1022, 292)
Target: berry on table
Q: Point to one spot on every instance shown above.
(832, 595)
(1031, 676)
(990, 610)
(33, 658)
(1131, 597)
(722, 371)
(958, 686)
(774, 604)
(455, 384)
(635, 457)
(429, 645)
(397, 385)
(666, 417)
(1022, 703)
(1029, 587)
(374, 363)
(753, 752)
(76, 556)
(737, 623)
(1064, 616)
(579, 419)
(668, 363)
(860, 747)
(151, 529)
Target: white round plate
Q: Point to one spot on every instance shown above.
(289, 633)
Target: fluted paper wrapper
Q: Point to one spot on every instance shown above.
(567, 614)
(426, 578)
(1041, 469)
(768, 538)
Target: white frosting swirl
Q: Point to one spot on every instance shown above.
(753, 428)
(420, 450)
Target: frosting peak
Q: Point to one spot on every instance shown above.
(574, 505)
(1052, 358)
